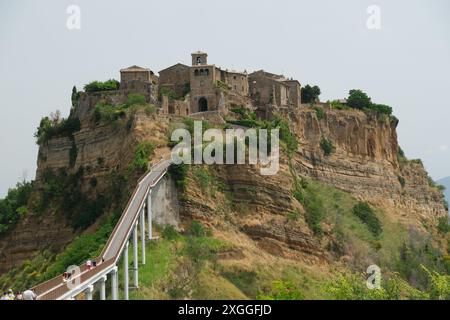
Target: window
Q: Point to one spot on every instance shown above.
(196, 72)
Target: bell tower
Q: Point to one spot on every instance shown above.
(199, 58)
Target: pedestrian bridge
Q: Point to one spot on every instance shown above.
(131, 226)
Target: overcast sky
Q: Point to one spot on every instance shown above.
(404, 64)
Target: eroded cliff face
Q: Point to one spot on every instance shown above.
(100, 151)
(364, 163)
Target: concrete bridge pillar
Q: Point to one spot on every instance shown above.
(88, 292)
(142, 218)
(135, 256)
(149, 214)
(114, 284)
(125, 271)
(102, 282)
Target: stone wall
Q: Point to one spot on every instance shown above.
(165, 207)
(176, 78)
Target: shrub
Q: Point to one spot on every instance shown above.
(335, 104)
(141, 155)
(327, 146)
(170, 233)
(135, 99)
(320, 113)
(358, 99)
(381, 108)
(165, 91)
(178, 172)
(197, 229)
(443, 226)
(314, 211)
(310, 94)
(282, 290)
(367, 215)
(14, 205)
(56, 128)
(107, 114)
(95, 86)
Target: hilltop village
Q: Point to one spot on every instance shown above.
(200, 88)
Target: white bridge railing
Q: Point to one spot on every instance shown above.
(85, 280)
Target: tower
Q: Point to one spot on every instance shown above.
(199, 58)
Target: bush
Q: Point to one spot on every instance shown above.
(443, 226)
(282, 290)
(95, 86)
(170, 233)
(178, 172)
(141, 156)
(366, 214)
(56, 128)
(14, 205)
(320, 113)
(358, 99)
(197, 229)
(135, 99)
(165, 91)
(335, 104)
(310, 94)
(327, 146)
(104, 113)
(381, 109)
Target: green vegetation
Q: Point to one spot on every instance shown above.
(14, 205)
(402, 181)
(320, 113)
(135, 99)
(248, 119)
(178, 173)
(306, 194)
(62, 191)
(443, 225)
(327, 146)
(104, 113)
(367, 215)
(48, 265)
(141, 156)
(283, 290)
(336, 104)
(222, 85)
(165, 91)
(310, 94)
(55, 126)
(358, 99)
(75, 96)
(108, 85)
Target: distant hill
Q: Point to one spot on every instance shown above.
(446, 183)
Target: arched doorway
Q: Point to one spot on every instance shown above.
(202, 104)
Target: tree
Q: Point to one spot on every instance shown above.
(310, 94)
(74, 96)
(358, 99)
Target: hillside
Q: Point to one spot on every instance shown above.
(345, 197)
(446, 183)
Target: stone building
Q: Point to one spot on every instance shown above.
(129, 76)
(176, 79)
(271, 89)
(204, 82)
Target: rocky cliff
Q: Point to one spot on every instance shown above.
(365, 163)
